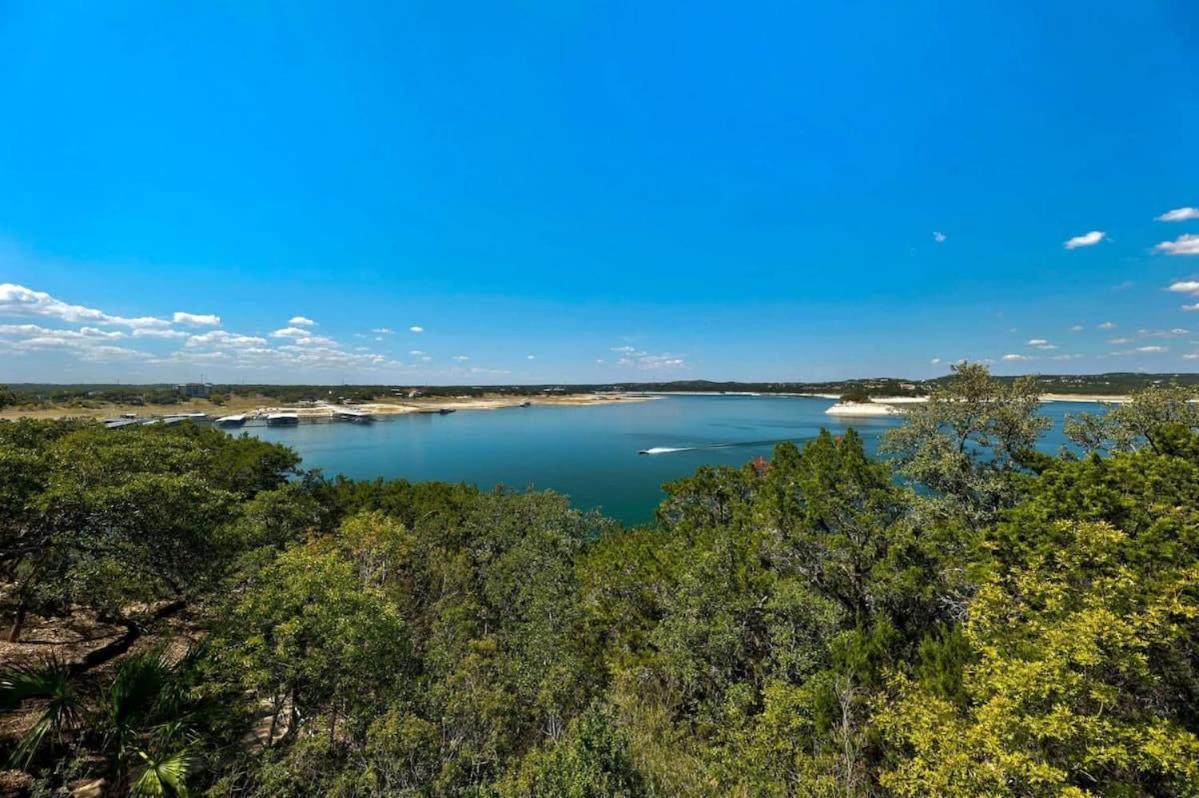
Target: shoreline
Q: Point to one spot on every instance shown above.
(881, 406)
(260, 405)
(888, 405)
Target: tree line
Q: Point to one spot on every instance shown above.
(965, 616)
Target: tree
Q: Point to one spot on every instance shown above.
(101, 520)
(308, 635)
(966, 442)
(1157, 417)
(1069, 694)
(7, 397)
(856, 394)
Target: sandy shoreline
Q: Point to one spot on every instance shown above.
(888, 405)
(261, 405)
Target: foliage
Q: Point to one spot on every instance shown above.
(1066, 696)
(856, 394)
(99, 520)
(966, 442)
(49, 681)
(964, 619)
(1158, 417)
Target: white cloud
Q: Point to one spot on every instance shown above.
(92, 341)
(383, 331)
(1177, 332)
(1183, 245)
(1179, 215)
(1085, 240)
(149, 332)
(98, 333)
(1119, 341)
(938, 236)
(197, 319)
(1184, 287)
(301, 321)
(225, 339)
(631, 356)
(1192, 308)
(531, 357)
(1152, 349)
(1076, 328)
(17, 300)
(416, 328)
(88, 343)
(935, 361)
(1013, 356)
(415, 352)
(461, 358)
(1107, 325)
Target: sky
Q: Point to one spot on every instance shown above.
(475, 193)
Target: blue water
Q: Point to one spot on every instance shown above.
(586, 452)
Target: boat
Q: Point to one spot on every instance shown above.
(178, 418)
(283, 419)
(351, 415)
(236, 420)
(445, 411)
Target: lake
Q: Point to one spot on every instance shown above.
(586, 452)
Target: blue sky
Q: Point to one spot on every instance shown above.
(595, 191)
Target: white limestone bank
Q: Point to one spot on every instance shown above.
(861, 409)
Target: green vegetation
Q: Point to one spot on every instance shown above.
(1113, 384)
(857, 394)
(965, 617)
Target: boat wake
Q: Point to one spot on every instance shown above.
(705, 447)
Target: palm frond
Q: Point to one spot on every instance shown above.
(137, 689)
(167, 776)
(49, 680)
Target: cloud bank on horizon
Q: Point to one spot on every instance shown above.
(171, 345)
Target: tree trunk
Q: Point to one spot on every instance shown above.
(18, 623)
(116, 648)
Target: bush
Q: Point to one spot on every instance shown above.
(857, 394)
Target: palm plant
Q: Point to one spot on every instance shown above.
(50, 680)
(166, 776)
(145, 716)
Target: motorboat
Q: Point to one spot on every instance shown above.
(282, 419)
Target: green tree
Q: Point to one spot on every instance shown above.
(1065, 697)
(1157, 417)
(966, 443)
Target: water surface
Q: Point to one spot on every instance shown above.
(589, 453)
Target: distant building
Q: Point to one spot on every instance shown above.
(194, 390)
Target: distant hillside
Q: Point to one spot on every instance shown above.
(1112, 383)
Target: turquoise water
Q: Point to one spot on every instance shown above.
(587, 452)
